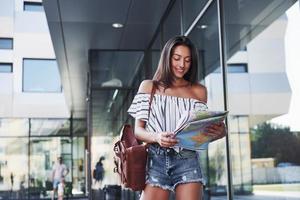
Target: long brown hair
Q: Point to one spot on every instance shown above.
(164, 75)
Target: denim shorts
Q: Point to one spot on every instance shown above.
(166, 168)
(55, 183)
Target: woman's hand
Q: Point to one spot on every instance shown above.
(216, 130)
(166, 139)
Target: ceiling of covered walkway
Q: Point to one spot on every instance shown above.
(78, 27)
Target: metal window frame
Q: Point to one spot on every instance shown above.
(31, 3)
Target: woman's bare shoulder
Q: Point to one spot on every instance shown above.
(146, 86)
(200, 92)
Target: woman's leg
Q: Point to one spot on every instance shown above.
(189, 191)
(154, 193)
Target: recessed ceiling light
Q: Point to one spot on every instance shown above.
(117, 25)
(203, 26)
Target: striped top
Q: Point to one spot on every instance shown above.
(165, 110)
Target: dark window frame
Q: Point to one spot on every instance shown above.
(244, 65)
(7, 63)
(61, 88)
(7, 38)
(30, 3)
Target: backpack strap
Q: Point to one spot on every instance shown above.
(151, 96)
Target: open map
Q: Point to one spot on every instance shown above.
(190, 129)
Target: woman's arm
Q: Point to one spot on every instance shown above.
(164, 139)
(218, 130)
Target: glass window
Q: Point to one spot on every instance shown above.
(79, 127)
(41, 75)
(6, 67)
(191, 10)
(79, 168)
(257, 147)
(171, 26)
(14, 127)
(235, 68)
(13, 166)
(207, 42)
(33, 6)
(44, 153)
(108, 67)
(48, 127)
(6, 43)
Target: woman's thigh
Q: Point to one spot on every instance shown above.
(189, 191)
(154, 193)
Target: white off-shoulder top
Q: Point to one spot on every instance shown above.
(165, 111)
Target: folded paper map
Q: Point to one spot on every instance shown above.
(190, 130)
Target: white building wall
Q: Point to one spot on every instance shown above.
(264, 92)
(31, 39)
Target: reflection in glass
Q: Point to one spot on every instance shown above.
(109, 67)
(172, 26)
(207, 42)
(14, 127)
(252, 26)
(106, 143)
(191, 9)
(155, 60)
(43, 155)
(79, 127)
(241, 154)
(13, 166)
(79, 179)
(109, 111)
(46, 127)
(244, 20)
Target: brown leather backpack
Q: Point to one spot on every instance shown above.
(131, 156)
(130, 160)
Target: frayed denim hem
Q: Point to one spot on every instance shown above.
(160, 186)
(201, 180)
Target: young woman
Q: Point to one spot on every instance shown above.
(176, 91)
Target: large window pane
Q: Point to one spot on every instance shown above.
(207, 42)
(79, 167)
(43, 154)
(109, 68)
(46, 127)
(41, 75)
(191, 10)
(14, 127)
(171, 25)
(263, 93)
(13, 167)
(79, 127)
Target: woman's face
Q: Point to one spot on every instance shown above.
(180, 61)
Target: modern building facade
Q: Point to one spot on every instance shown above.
(36, 125)
(69, 70)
